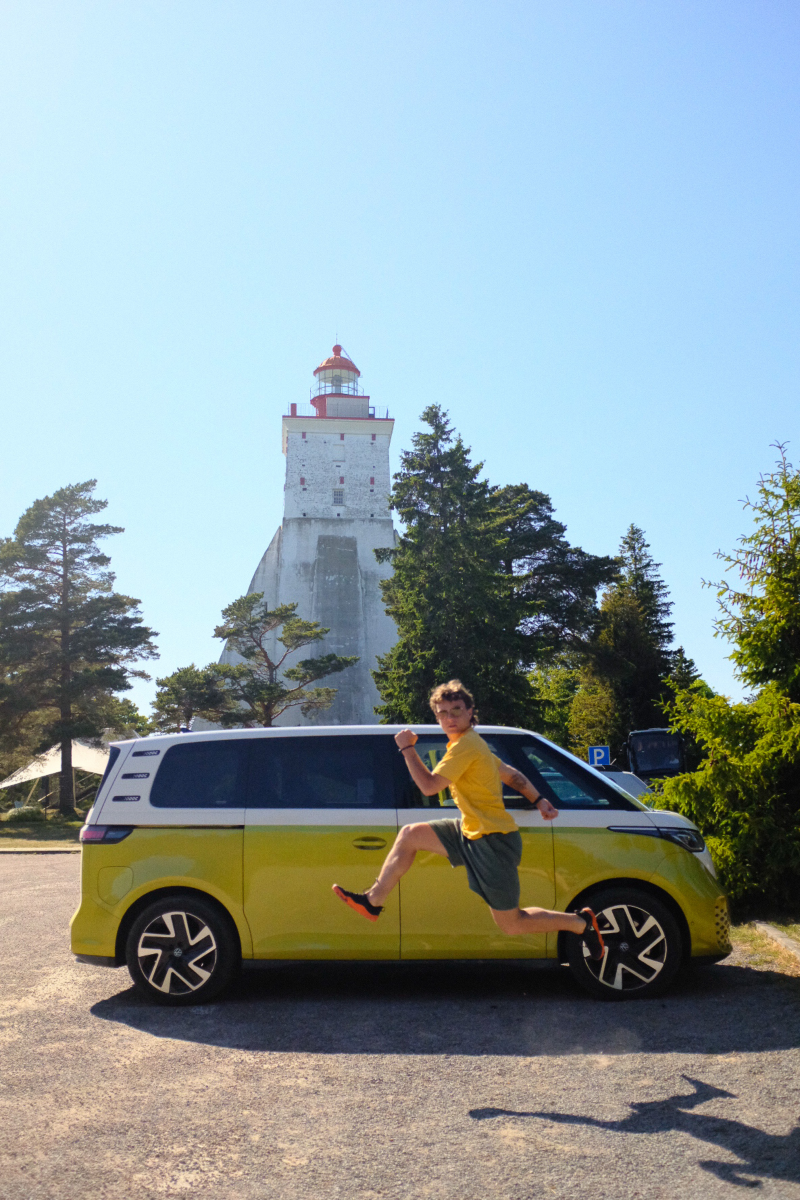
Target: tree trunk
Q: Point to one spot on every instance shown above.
(66, 787)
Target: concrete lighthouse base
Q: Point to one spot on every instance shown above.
(328, 568)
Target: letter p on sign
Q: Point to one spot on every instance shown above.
(599, 756)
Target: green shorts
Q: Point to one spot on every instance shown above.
(491, 861)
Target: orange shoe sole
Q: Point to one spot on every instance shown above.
(359, 908)
(595, 926)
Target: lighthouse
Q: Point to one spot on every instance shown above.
(335, 515)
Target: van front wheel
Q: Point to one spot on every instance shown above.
(181, 950)
(643, 946)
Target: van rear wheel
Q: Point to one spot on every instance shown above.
(643, 946)
(181, 950)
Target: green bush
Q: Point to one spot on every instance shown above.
(25, 815)
(745, 795)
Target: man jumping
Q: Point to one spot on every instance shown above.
(486, 840)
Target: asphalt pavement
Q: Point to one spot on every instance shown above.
(314, 1081)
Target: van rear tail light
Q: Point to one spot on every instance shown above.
(105, 833)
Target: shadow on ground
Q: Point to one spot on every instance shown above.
(473, 1009)
(761, 1154)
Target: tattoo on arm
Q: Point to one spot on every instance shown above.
(520, 783)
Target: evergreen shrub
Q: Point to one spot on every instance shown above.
(25, 815)
(745, 794)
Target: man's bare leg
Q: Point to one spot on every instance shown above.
(536, 920)
(400, 858)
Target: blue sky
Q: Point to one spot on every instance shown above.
(573, 224)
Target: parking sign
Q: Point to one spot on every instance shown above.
(599, 756)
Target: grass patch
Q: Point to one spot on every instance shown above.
(761, 952)
(9, 847)
(20, 835)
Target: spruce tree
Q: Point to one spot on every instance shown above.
(745, 794)
(457, 612)
(628, 663)
(485, 585)
(641, 580)
(67, 639)
(625, 668)
(761, 617)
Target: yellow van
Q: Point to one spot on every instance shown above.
(205, 851)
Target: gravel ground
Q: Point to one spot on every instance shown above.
(320, 1081)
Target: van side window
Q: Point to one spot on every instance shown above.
(563, 782)
(320, 772)
(201, 775)
(431, 748)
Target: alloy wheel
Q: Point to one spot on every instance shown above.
(636, 948)
(177, 953)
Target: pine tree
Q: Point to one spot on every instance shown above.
(125, 721)
(557, 582)
(187, 693)
(67, 639)
(261, 687)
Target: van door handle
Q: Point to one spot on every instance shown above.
(369, 843)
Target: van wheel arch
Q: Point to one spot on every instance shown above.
(585, 898)
(147, 899)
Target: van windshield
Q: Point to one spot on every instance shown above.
(565, 783)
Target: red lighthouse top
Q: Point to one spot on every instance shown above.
(338, 362)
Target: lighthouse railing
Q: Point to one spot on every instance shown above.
(308, 410)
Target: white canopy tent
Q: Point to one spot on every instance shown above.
(84, 758)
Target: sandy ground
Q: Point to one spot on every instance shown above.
(364, 1081)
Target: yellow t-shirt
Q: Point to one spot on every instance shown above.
(476, 786)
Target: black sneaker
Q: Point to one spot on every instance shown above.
(359, 902)
(591, 937)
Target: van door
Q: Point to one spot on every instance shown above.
(589, 844)
(441, 917)
(320, 810)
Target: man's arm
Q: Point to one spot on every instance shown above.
(428, 783)
(521, 783)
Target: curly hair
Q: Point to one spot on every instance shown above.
(453, 690)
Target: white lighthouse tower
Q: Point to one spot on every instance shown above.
(335, 515)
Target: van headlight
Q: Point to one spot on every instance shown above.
(690, 839)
